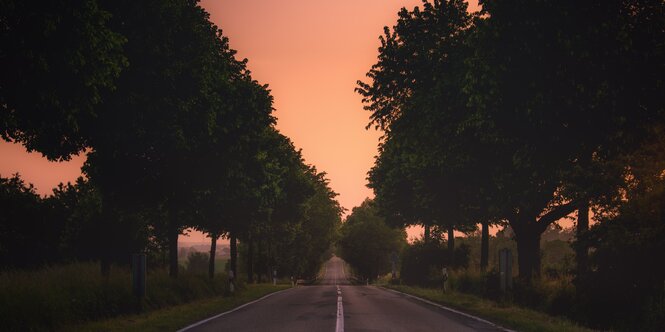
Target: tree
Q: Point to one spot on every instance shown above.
(627, 248)
(425, 172)
(544, 98)
(366, 242)
(228, 191)
(77, 207)
(163, 116)
(313, 234)
(525, 114)
(27, 238)
(58, 60)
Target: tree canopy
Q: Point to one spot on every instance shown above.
(522, 112)
(367, 243)
(177, 132)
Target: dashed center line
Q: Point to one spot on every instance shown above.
(340, 312)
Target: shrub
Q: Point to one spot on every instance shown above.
(422, 262)
(197, 262)
(52, 297)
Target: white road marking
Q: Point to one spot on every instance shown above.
(340, 312)
(230, 311)
(448, 309)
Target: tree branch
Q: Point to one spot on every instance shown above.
(557, 213)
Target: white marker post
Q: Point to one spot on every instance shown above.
(231, 280)
(444, 272)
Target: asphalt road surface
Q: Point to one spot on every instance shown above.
(336, 305)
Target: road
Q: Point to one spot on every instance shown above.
(336, 305)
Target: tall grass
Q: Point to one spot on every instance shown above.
(52, 297)
(552, 295)
(510, 316)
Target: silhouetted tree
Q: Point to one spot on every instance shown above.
(522, 121)
(58, 60)
(27, 238)
(366, 242)
(425, 172)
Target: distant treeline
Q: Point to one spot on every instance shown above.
(522, 114)
(177, 135)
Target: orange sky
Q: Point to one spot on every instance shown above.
(311, 53)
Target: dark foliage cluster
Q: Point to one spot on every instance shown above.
(422, 262)
(368, 244)
(177, 135)
(524, 113)
(55, 229)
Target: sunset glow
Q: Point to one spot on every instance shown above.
(311, 53)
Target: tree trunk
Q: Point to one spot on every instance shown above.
(250, 260)
(173, 248)
(484, 246)
(528, 252)
(213, 253)
(451, 245)
(582, 250)
(233, 248)
(426, 234)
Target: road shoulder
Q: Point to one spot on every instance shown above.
(443, 307)
(504, 316)
(176, 317)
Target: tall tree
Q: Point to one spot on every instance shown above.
(424, 173)
(156, 127)
(544, 98)
(366, 242)
(58, 60)
(524, 113)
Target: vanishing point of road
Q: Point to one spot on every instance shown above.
(333, 304)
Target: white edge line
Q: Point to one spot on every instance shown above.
(230, 311)
(449, 309)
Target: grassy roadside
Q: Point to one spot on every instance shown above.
(176, 317)
(508, 316)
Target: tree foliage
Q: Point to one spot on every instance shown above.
(367, 243)
(523, 112)
(177, 132)
(58, 60)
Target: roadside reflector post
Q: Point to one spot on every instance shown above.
(393, 261)
(444, 277)
(232, 277)
(506, 269)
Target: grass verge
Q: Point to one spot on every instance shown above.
(508, 316)
(53, 297)
(177, 317)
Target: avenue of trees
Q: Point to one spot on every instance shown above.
(177, 135)
(524, 113)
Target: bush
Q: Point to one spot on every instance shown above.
(197, 263)
(53, 297)
(654, 314)
(422, 262)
